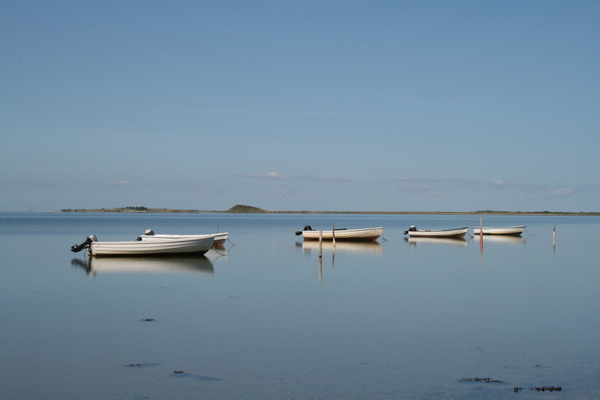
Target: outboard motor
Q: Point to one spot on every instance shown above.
(411, 229)
(77, 248)
(148, 232)
(306, 228)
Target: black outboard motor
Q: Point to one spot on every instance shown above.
(147, 232)
(306, 228)
(411, 229)
(77, 248)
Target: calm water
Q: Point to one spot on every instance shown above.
(265, 318)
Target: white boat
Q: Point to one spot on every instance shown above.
(341, 234)
(507, 230)
(220, 238)
(146, 247)
(443, 233)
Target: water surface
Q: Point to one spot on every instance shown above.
(268, 318)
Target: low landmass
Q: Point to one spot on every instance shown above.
(240, 208)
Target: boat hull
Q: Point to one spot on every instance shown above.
(152, 247)
(444, 233)
(220, 238)
(509, 230)
(345, 234)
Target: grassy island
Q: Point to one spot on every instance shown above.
(240, 208)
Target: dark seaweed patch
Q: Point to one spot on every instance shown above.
(548, 388)
(146, 365)
(485, 380)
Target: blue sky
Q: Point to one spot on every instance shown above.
(300, 105)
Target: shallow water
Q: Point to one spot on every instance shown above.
(267, 318)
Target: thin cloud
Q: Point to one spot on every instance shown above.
(405, 179)
(422, 190)
(280, 193)
(269, 175)
(278, 176)
(257, 175)
(436, 186)
(328, 178)
(317, 113)
(547, 193)
(120, 183)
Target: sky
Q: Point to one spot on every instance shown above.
(300, 105)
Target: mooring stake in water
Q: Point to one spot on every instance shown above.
(320, 271)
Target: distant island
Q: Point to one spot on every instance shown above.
(244, 209)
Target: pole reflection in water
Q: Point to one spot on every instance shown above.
(364, 247)
(554, 238)
(320, 271)
(333, 244)
(480, 241)
(492, 240)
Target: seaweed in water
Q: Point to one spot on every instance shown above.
(486, 380)
(517, 389)
(548, 388)
(142, 365)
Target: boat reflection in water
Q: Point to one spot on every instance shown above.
(146, 264)
(413, 241)
(216, 253)
(372, 247)
(501, 239)
(310, 247)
